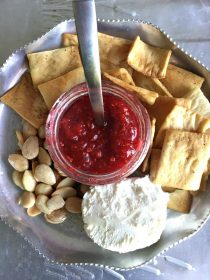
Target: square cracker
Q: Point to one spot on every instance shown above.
(27, 102)
(150, 61)
(47, 65)
(179, 118)
(183, 159)
(179, 81)
(181, 201)
(53, 89)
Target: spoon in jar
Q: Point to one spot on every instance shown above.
(86, 26)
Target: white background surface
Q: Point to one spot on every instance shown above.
(188, 22)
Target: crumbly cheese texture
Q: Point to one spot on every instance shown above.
(125, 216)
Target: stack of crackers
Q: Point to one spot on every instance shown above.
(179, 112)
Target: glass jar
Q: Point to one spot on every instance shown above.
(52, 128)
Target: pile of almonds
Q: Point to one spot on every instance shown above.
(46, 189)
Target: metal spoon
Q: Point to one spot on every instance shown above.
(86, 26)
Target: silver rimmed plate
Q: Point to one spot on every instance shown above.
(67, 242)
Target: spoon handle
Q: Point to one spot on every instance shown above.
(86, 26)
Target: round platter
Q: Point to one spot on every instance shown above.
(67, 242)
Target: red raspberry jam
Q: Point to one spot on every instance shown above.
(95, 149)
(95, 155)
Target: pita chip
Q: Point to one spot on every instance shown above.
(53, 89)
(179, 81)
(69, 39)
(150, 61)
(27, 102)
(122, 74)
(144, 95)
(150, 83)
(106, 66)
(47, 65)
(183, 159)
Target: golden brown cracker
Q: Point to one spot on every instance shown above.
(144, 95)
(69, 39)
(183, 159)
(48, 65)
(179, 81)
(179, 118)
(163, 106)
(122, 74)
(150, 61)
(150, 83)
(26, 101)
(53, 89)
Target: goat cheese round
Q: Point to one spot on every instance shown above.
(125, 216)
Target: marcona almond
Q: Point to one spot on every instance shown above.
(27, 199)
(17, 178)
(18, 162)
(29, 183)
(57, 216)
(20, 138)
(65, 192)
(43, 189)
(57, 176)
(56, 202)
(43, 173)
(41, 204)
(28, 130)
(43, 157)
(30, 148)
(33, 211)
(41, 131)
(34, 164)
(84, 188)
(67, 182)
(73, 205)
